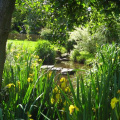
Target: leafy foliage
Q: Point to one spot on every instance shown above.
(85, 39)
(70, 45)
(46, 34)
(30, 13)
(45, 52)
(74, 54)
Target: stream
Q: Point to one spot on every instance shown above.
(70, 64)
(79, 68)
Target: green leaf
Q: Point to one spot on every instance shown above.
(45, 116)
(83, 5)
(47, 9)
(35, 101)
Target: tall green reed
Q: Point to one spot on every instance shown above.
(29, 91)
(94, 93)
(25, 88)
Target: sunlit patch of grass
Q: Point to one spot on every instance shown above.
(30, 45)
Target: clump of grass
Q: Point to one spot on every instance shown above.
(82, 57)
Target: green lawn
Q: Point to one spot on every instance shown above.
(30, 45)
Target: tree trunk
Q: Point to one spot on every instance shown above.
(6, 10)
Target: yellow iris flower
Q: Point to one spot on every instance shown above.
(10, 85)
(113, 102)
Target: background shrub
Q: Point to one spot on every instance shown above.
(113, 30)
(70, 45)
(81, 59)
(46, 34)
(74, 54)
(85, 40)
(45, 52)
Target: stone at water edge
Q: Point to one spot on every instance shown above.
(65, 55)
(58, 59)
(56, 68)
(47, 66)
(69, 71)
(65, 59)
(63, 71)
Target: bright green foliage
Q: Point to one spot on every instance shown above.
(45, 52)
(60, 16)
(82, 57)
(46, 34)
(107, 7)
(85, 39)
(71, 12)
(108, 25)
(31, 14)
(29, 45)
(74, 54)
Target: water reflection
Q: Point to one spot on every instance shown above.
(79, 68)
(70, 64)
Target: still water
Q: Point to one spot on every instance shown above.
(79, 68)
(69, 64)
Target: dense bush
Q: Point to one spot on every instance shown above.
(70, 45)
(113, 30)
(46, 34)
(45, 52)
(82, 57)
(74, 54)
(85, 40)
